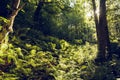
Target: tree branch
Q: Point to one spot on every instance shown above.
(16, 4)
(7, 28)
(14, 13)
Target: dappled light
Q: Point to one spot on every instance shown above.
(59, 40)
(97, 11)
(88, 14)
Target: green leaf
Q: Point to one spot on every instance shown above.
(33, 51)
(83, 67)
(4, 47)
(0, 27)
(2, 61)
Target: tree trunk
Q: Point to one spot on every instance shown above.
(102, 31)
(7, 28)
(104, 41)
(38, 18)
(37, 11)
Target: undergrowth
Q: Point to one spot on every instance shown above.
(45, 58)
(39, 57)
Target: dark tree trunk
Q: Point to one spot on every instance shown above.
(104, 41)
(37, 11)
(39, 20)
(102, 31)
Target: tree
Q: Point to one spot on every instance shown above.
(8, 27)
(42, 16)
(37, 11)
(102, 30)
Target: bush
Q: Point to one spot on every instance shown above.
(55, 59)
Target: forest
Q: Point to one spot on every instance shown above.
(59, 39)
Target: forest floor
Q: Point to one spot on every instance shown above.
(38, 57)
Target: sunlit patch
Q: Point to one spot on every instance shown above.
(97, 11)
(117, 78)
(86, 4)
(71, 4)
(88, 14)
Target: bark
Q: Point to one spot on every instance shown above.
(37, 11)
(102, 30)
(38, 18)
(95, 15)
(104, 41)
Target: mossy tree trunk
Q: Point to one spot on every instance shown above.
(8, 27)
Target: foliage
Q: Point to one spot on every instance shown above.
(52, 58)
(3, 21)
(113, 20)
(60, 46)
(56, 59)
